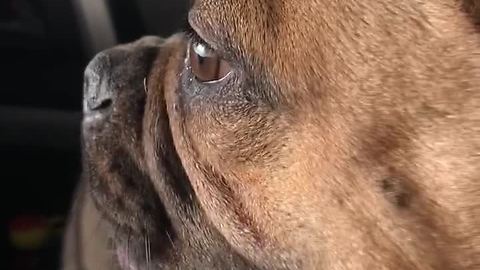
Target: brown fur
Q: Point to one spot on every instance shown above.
(348, 138)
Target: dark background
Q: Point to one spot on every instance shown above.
(44, 47)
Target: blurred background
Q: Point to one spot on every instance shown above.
(44, 47)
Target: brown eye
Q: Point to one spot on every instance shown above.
(206, 65)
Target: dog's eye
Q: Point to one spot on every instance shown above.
(206, 65)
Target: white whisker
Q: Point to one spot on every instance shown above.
(147, 251)
(145, 87)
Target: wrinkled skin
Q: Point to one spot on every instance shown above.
(346, 137)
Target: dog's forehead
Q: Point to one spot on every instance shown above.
(277, 39)
(241, 24)
(314, 42)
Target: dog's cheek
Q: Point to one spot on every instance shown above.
(230, 124)
(235, 151)
(229, 135)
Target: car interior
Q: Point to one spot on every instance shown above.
(45, 46)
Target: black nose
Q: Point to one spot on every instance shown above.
(98, 93)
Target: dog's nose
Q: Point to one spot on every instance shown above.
(98, 94)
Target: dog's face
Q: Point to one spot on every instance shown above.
(292, 135)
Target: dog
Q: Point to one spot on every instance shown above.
(283, 134)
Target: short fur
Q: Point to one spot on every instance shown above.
(348, 137)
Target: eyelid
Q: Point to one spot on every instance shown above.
(202, 50)
(193, 37)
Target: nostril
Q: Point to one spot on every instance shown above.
(95, 104)
(105, 104)
(99, 94)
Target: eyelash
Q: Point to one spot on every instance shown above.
(193, 37)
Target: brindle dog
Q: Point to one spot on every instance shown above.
(285, 134)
